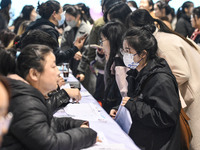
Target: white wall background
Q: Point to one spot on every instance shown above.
(17, 5)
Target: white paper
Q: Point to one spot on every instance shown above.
(123, 118)
(84, 111)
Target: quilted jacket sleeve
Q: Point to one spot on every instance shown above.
(31, 127)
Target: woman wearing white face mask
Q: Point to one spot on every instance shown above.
(52, 16)
(153, 100)
(76, 28)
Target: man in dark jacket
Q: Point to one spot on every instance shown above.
(33, 127)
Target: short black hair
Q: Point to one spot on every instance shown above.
(38, 37)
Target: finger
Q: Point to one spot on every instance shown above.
(98, 140)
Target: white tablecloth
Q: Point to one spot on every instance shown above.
(113, 137)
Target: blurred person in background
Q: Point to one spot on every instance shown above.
(172, 18)
(86, 13)
(89, 57)
(4, 11)
(52, 16)
(6, 37)
(7, 62)
(133, 5)
(162, 10)
(147, 5)
(195, 20)
(76, 28)
(28, 13)
(183, 25)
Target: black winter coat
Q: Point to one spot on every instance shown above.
(154, 106)
(34, 128)
(184, 26)
(48, 27)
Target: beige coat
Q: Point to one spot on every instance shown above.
(184, 62)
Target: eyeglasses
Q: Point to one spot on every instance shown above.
(5, 122)
(126, 51)
(101, 41)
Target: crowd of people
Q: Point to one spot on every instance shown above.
(143, 57)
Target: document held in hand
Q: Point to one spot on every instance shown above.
(123, 118)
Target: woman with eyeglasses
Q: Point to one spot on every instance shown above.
(33, 126)
(115, 70)
(153, 99)
(183, 58)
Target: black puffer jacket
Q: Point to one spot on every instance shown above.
(34, 128)
(48, 27)
(154, 107)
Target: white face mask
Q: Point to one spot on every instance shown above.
(72, 23)
(129, 60)
(62, 20)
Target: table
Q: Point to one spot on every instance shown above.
(108, 130)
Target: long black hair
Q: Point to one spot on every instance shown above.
(119, 11)
(181, 10)
(5, 9)
(113, 32)
(142, 18)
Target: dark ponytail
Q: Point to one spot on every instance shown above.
(181, 10)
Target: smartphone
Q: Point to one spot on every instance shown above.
(96, 46)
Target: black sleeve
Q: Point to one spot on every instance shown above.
(66, 123)
(180, 28)
(65, 55)
(30, 126)
(58, 99)
(159, 107)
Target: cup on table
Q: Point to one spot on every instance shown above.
(65, 70)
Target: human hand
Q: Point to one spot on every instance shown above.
(80, 76)
(80, 41)
(113, 113)
(98, 140)
(61, 81)
(78, 55)
(125, 100)
(74, 93)
(84, 126)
